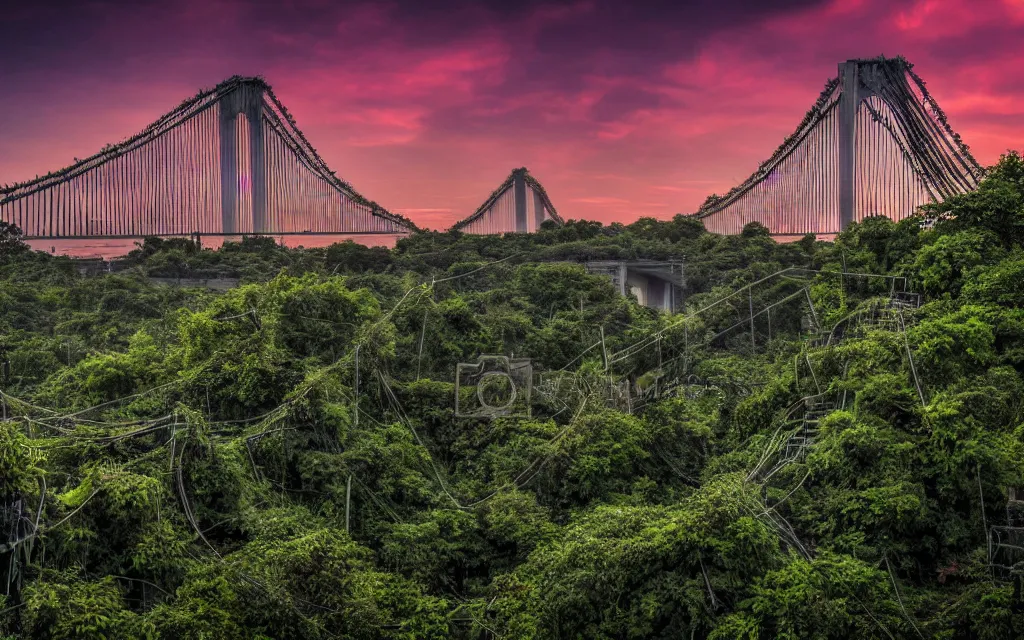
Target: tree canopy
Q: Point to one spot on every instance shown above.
(824, 442)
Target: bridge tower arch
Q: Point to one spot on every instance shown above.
(856, 78)
(247, 100)
(519, 193)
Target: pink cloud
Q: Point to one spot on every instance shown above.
(600, 201)
(428, 126)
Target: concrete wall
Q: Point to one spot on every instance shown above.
(638, 285)
(649, 291)
(659, 294)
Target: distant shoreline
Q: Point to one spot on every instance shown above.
(107, 249)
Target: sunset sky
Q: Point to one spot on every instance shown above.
(620, 109)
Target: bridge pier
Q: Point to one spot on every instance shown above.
(247, 100)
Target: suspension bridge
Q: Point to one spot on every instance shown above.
(518, 205)
(229, 161)
(874, 143)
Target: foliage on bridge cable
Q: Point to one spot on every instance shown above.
(536, 186)
(943, 135)
(341, 184)
(934, 144)
(491, 199)
(941, 116)
(909, 157)
(188, 107)
(826, 101)
(282, 459)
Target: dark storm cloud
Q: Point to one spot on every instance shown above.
(638, 26)
(138, 38)
(552, 44)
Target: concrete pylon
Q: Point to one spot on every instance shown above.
(848, 102)
(852, 76)
(519, 196)
(248, 100)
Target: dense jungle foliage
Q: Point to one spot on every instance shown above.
(283, 460)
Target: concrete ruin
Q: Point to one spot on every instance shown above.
(655, 284)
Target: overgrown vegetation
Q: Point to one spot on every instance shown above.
(283, 460)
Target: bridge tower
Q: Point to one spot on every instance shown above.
(856, 77)
(874, 143)
(247, 100)
(519, 194)
(508, 210)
